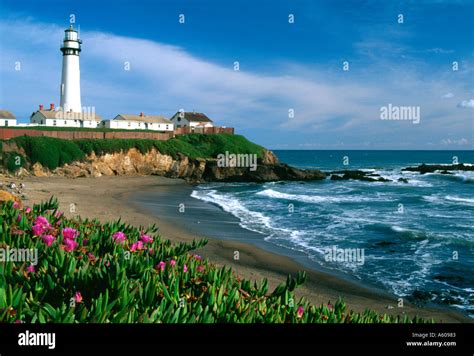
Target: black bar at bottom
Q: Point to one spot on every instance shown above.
(417, 338)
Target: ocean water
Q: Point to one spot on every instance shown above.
(417, 238)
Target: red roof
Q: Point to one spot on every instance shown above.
(195, 117)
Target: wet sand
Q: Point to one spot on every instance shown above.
(156, 200)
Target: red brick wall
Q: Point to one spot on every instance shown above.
(6, 134)
(144, 135)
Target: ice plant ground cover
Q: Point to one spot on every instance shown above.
(113, 272)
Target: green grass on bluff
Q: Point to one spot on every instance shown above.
(53, 152)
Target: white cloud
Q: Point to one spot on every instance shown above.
(164, 78)
(438, 50)
(451, 142)
(466, 104)
(448, 96)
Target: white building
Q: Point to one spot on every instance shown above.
(191, 119)
(139, 122)
(58, 118)
(71, 77)
(7, 118)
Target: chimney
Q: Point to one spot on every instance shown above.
(41, 107)
(142, 114)
(51, 107)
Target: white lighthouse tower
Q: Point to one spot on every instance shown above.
(71, 76)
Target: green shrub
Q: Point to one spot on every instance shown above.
(54, 152)
(13, 161)
(212, 145)
(49, 152)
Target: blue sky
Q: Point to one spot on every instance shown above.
(282, 66)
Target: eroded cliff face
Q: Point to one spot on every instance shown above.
(133, 162)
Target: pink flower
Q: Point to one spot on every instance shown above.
(172, 262)
(200, 268)
(300, 311)
(146, 239)
(69, 245)
(38, 230)
(48, 239)
(69, 233)
(150, 251)
(91, 257)
(136, 246)
(41, 220)
(185, 268)
(16, 205)
(161, 266)
(40, 226)
(119, 237)
(58, 214)
(197, 257)
(30, 269)
(28, 210)
(330, 306)
(78, 297)
(18, 321)
(18, 218)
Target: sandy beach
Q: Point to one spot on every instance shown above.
(109, 198)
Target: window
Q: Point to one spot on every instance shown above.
(65, 122)
(129, 124)
(6, 122)
(54, 122)
(167, 127)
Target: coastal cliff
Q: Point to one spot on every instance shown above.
(194, 158)
(195, 170)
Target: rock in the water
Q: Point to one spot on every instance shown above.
(263, 173)
(357, 175)
(430, 168)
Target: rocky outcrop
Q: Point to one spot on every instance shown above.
(262, 173)
(442, 168)
(357, 175)
(268, 169)
(269, 158)
(133, 162)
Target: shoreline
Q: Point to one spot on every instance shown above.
(108, 198)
